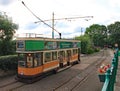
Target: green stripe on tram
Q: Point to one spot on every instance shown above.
(34, 45)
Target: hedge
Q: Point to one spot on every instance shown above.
(8, 62)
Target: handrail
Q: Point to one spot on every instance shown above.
(107, 81)
(110, 75)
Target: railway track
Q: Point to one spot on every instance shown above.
(83, 76)
(4, 85)
(11, 86)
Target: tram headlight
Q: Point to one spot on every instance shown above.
(21, 73)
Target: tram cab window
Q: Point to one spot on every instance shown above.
(48, 56)
(29, 60)
(54, 55)
(21, 60)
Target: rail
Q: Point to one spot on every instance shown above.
(110, 75)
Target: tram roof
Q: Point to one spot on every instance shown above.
(33, 36)
(46, 39)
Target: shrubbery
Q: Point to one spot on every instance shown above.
(8, 62)
(92, 50)
(87, 46)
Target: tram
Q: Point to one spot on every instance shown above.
(37, 56)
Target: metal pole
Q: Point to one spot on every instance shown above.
(53, 25)
(81, 31)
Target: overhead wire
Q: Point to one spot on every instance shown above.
(40, 19)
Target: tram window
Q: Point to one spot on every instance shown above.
(62, 53)
(29, 60)
(37, 59)
(47, 56)
(75, 51)
(21, 60)
(54, 55)
(40, 58)
(68, 53)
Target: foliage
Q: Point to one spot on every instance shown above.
(7, 47)
(8, 62)
(114, 33)
(7, 30)
(90, 51)
(86, 44)
(98, 34)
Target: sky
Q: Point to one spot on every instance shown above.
(104, 12)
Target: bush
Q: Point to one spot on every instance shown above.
(90, 51)
(97, 49)
(8, 62)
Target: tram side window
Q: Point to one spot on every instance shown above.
(47, 56)
(62, 54)
(54, 55)
(29, 60)
(40, 58)
(37, 59)
(75, 51)
(21, 60)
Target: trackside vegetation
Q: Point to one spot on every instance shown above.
(8, 62)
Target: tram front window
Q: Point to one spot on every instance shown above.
(21, 60)
(25, 60)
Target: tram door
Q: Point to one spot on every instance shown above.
(60, 58)
(68, 56)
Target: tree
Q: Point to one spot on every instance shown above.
(114, 33)
(86, 43)
(98, 34)
(7, 30)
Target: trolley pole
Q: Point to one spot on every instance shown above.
(53, 25)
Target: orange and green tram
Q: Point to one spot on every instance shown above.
(37, 56)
